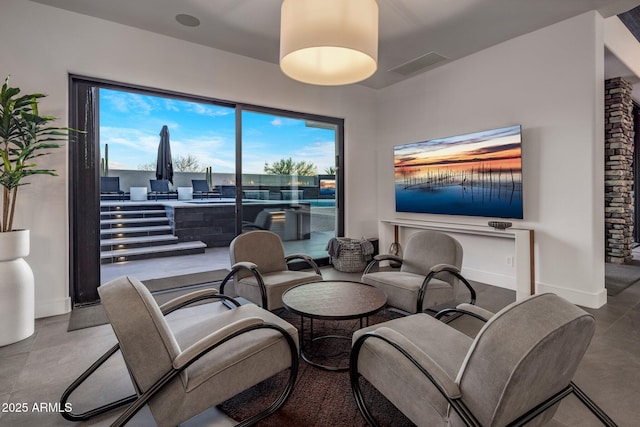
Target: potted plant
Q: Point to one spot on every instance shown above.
(25, 134)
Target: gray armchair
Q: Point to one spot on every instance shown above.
(260, 269)
(181, 373)
(429, 273)
(515, 371)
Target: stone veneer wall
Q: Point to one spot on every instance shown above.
(618, 195)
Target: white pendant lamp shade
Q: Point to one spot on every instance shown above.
(329, 42)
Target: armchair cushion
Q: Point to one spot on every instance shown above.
(445, 381)
(229, 369)
(141, 329)
(402, 289)
(398, 379)
(431, 255)
(276, 284)
(428, 248)
(264, 249)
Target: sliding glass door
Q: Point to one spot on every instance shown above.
(234, 168)
(141, 225)
(289, 180)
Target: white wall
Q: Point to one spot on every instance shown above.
(619, 40)
(621, 54)
(551, 82)
(42, 45)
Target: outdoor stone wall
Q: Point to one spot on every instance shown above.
(618, 194)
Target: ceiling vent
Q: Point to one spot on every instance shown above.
(420, 63)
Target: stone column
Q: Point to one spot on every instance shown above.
(618, 171)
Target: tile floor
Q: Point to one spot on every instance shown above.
(38, 369)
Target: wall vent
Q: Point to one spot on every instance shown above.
(419, 63)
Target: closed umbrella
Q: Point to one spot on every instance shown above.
(164, 165)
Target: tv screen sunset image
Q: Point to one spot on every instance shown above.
(476, 174)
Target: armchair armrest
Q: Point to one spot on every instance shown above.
(476, 310)
(387, 257)
(443, 268)
(439, 268)
(381, 257)
(253, 269)
(305, 258)
(187, 299)
(437, 375)
(243, 265)
(196, 349)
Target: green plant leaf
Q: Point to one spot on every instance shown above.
(25, 135)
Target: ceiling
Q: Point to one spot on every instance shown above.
(410, 30)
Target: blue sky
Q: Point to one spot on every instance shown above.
(130, 123)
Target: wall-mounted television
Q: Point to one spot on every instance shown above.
(476, 174)
(327, 185)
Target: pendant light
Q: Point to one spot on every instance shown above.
(329, 42)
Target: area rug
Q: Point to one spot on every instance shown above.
(618, 277)
(320, 398)
(163, 290)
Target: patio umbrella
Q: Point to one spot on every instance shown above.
(164, 165)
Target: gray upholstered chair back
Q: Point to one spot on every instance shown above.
(524, 354)
(147, 344)
(263, 220)
(263, 248)
(425, 249)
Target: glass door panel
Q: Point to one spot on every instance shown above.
(140, 227)
(289, 180)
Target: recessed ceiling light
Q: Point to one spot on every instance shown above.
(187, 20)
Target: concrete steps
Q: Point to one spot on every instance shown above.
(131, 231)
(175, 249)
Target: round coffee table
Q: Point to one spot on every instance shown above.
(331, 300)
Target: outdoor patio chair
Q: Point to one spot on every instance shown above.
(201, 188)
(228, 191)
(161, 187)
(262, 221)
(515, 372)
(180, 373)
(429, 276)
(260, 269)
(110, 185)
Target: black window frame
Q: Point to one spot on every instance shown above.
(84, 179)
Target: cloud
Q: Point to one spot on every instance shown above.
(283, 121)
(493, 149)
(208, 110)
(125, 102)
(170, 105)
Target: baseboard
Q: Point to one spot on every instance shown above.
(489, 278)
(582, 298)
(53, 307)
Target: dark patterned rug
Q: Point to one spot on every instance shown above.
(321, 398)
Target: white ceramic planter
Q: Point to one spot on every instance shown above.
(17, 299)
